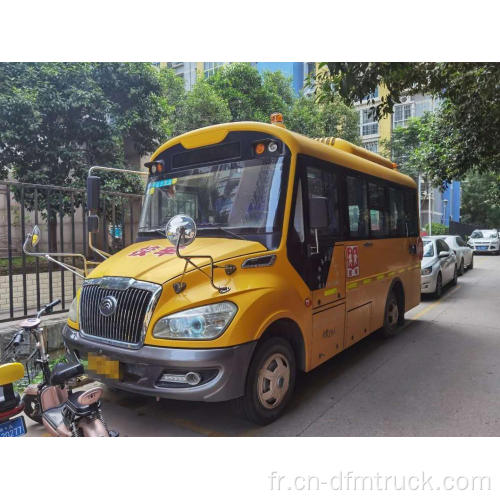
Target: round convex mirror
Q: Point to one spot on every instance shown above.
(35, 236)
(181, 227)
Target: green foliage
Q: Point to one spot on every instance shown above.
(58, 119)
(410, 145)
(330, 119)
(242, 87)
(238, 92)
(437, 228)
(466, 133)
(201, 107)
(481, 199)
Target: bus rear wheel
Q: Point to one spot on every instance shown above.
(392, 316)
(270, 381)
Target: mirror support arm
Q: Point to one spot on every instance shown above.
(181, 285)
(50, 257)
(101, 253)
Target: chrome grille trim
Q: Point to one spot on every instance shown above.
(137, 300)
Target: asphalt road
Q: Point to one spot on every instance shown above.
(439, 377)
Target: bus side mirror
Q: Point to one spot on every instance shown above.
(318, 212)
(93, 192)
(93, 223)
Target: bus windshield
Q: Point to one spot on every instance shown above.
(241, 199)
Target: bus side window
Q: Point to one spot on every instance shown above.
(298, 218)
(357, 207)
(397, 222)
(411, 212)
(378, 210)
(322, 183)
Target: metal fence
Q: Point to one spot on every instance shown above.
(26, 283)
(461, 228)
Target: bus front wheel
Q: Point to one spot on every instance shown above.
(270, 381)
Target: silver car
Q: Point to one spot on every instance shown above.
(465, 254)
(485, 241)
(439, 266)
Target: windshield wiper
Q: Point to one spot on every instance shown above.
(222, 229)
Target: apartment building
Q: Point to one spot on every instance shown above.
(435, 205)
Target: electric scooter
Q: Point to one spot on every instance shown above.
(64, 413)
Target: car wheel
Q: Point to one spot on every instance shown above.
(455, 277)
(461, 269)
(392, 315)
(270, 381)
(439, 286)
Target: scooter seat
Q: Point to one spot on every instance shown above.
(64, 371)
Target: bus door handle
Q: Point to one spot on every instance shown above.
(367, 244)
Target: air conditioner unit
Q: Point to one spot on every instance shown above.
(176, 64)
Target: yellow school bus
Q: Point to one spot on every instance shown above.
(260, 252)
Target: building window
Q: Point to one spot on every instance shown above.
(210, 68)
(368, 122)
(402, 113)
(371, 146)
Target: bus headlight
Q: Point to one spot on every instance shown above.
(199, 323)
(73, 308)
(426, 271)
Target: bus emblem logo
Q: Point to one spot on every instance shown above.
(107, 306)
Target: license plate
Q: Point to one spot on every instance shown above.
(13, 428)
(102, 365)
(482, 248)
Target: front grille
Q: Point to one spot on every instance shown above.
(133, 302)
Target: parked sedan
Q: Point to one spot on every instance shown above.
(485, 241)
(439, 266)
(465, 254)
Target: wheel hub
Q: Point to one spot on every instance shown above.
(273, 381)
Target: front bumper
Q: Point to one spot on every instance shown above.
(486, 248)
(226, 368)
(428, 283)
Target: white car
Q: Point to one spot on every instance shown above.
(438, 266)
(465, 254)
(485, 241)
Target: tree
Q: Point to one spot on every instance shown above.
(481, 200)
(249, 95)
(468, 127)
(330, 119)
(408, 145)
(58, 119)
(202, 107)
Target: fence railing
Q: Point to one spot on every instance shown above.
(26, 283)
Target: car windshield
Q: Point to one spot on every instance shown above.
(484, 234)
(428, 248)
(241, 199)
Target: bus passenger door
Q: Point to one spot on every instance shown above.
(325, 261)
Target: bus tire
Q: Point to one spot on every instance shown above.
(270, 381)
(392, 314)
